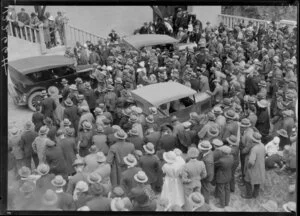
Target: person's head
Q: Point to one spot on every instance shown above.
(59, 13)
(22, 10)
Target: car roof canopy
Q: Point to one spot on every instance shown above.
(144, 40)
(39, 63)
(160, 93)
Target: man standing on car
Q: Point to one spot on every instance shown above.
(48, 106)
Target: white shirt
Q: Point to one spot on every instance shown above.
(271, 148)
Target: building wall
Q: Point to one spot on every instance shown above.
(206, 13)
(100, 20)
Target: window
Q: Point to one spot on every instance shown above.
(63, 71)
(41, 76)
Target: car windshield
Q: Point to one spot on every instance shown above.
(176, 105)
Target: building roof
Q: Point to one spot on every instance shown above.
(39, 63)
(144, 40)
(160, 93)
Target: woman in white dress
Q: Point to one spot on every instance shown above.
(172, 189)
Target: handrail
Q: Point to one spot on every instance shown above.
(25, 32)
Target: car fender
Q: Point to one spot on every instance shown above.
(37, 88)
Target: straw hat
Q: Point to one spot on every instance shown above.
(82, 186)
(245, 122)
(150, 119)
(78, 161)
(120, 134)
(43, 169)
(118, 80)
(69, 102)
(118, 191)
(126, 111)
(149, 148)
(97, 189)
(227, 102)
(217, 110)
(117, 204)
(87, 125)
(93, 149)
(70, 131)
(213, 131)
(49, 198)
(193, 152)
(73, 87)
(282, 132)
(230, 114)
(217, 142)
(100, 157)
(169, 157)
(24, 172)
(262, 103)
(153, 110)
(93, 178)
(58, 181)
(133, 118)
(225, 149)
(141, 177)
(204, 145)
(232, 140)
(52, 90)
(256, 137)
(130, 160)
(196, 199)
(211, 116)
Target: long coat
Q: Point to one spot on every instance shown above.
(80, 176)
(231, 128)
(223, 169)
(167, 142)
(255, 165)
(90, 97)
(65, 202)
(263, 122)
(91, 163)
(150, 165)
(26, 141)
(127, 181)
(56, 160)
(137, 141)
(85, 139)
(48, 107)
(208, 160)
(68, 146)
(115, 157)
(104, 171)
(37, 119)
(72, 114)
(39, 146)
(100, 140)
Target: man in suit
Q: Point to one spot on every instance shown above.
(255, 167)
(167, 141)
(116, 154)
(90, 96)
(231, 127)
(150, 164)
(206, 155)
(24, 18)
(48, 106)
(71, 112)
(104, 171)
(79, 176)
(99, 202)
(135, 139)
(152, 135)
(223, 176)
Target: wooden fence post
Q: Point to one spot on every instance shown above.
(42, 39)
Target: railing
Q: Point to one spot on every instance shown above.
(25, 32)
(74, 34)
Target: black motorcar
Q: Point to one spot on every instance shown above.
(31, 75)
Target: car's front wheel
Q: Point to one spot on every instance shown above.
(34, 99)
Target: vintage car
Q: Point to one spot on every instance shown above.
(31, 75)
(155, 95)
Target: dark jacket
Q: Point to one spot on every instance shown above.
(37, 119)
(167, 142)
(65, 202)
(137, 141)
(48, 107)
(127, 181)
(263, 122)
(223, 169)
(208, 160)
(44, 183)
(90, 97)
(72, 114)
(26, 141)
(153, 137)
(99, 204)
(68, 146)
(56, 161)
(251, 86)
(150, 165)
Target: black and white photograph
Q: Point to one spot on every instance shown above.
(181, 108)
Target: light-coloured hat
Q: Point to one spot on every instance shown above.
(73, 87)
(256, 137)
(196, 199)
(93, 178)
(43, 169)
(225, 149)
(117, 204)
(217, 142)
(93, 149)
(169, 157)
(82, 186)
(263, 103)
(289, 207)
(141, 177)
(87, 125)
(245, 122)
(193, 152)
(24, 172)
(204, 145)
(149, 148)
(230, 114)
(213, 131)
(52, 90)
(120, 134)
(69, 102)
(130, 160)
(100, 157)
(150, 119)
(58, 181)
(50, 198)
(153, 110)
(282, 132)
(232, 140)
(217, 110)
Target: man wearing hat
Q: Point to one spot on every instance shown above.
(48, 106)
(65, 200)
(90, 96)
(150, 164)
(54, 157)
(135, 139)
(110, 99)
(254, 167)
(233, 143)
(26, 140)
(71, 112)
(144, 29)
(85, 116)
(39, 144)
(288, 121)
(100, 140)
(91, 159)
(103, 169)
(193, 172)
(81, 102)
(204, 84)
(85, 138)
(17, 150)
(44, 182)
(65, 91)
(25, 198)
(38, 118)
(206, 155)
(127, 181)
(263, 119)
(116, 152)
(220, 119)
(223, 167)
(217, 94)
(231, 127)
(197, 203)
(210, 123)
(99, 202)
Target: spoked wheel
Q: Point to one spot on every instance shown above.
(34, 99)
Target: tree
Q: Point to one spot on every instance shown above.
(40, 10)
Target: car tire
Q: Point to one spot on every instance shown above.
(33, 100)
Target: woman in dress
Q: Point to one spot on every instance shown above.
(172, 189)
(59, 111)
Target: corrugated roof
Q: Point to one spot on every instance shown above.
(160, 93)
(144, 40)
(37, 63)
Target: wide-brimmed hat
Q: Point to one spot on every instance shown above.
(217, 142)
(43, 169)
(58, 181)
(78, 80)
(169, 157)
(93, 178)
(193, 152)
(149, 148)
(256, 137)
(97, 189)
(225, 149)
(98, 111)
(204, 145)
(64, 81)
(78, 161)
(73, 87)
(87, 125)
(24, 172)
(227, 102)
(126, 111)
(289, 207)
(52, 90)
(43, 130)
(230, 114)
(141, 177)
(217, 110)
(153, 110)
(118, 191)
(82, 186)
(118, 80)
(133, 118)
(110, 88)
(70, 131)
(245, 122)
(120, 134)
(263, 103)
(99, 129)
(232, 140)
(150, 119)
(80, 97)
(130, 160)
(211, 116)
(262, 83)
(196, 199)
(282, 132)
(133, 132)
(100, 157)
(49, 198)
(251, 100)
(118, 204)
(27, 187)
(67, 122)
(93, 149)
(213, 131)
(69, 102)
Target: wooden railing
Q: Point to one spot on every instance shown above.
(74, 34)
(26, 32)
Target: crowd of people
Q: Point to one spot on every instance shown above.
(91, 147)
(23, 26)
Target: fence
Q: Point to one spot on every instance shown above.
(24, 32)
